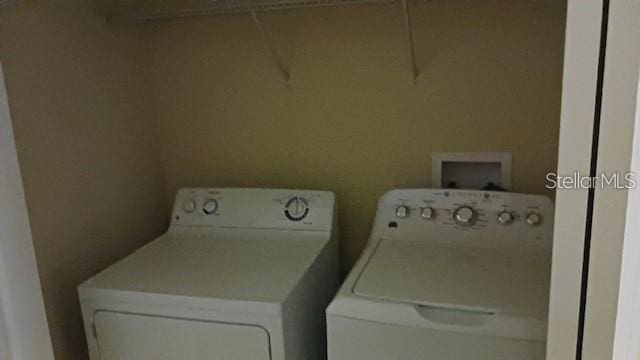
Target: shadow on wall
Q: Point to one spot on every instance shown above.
(81, 104)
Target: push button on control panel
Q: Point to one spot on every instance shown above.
(296, 208)
(428, 213)
(402, 212)
(189, 205)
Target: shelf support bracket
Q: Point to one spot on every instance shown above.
(267, 39)
(412, 49)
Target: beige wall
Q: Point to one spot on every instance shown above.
(83, 120)
(87, 101)
(352, 120)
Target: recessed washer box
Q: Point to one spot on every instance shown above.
(471, 170)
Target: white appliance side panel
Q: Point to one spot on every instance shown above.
(142, 337)
(304, 312)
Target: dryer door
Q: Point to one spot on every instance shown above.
(147, 337)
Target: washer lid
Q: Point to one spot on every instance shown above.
(454, 277)
(229, 265)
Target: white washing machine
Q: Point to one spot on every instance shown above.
(241, 274)
(448, 275)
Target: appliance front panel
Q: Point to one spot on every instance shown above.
(146, 337)
(354, 339)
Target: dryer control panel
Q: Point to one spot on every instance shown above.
(466, 217)
(254, 208)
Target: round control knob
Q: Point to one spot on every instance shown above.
(533, 218)
(428, 213)
(465, 216)
(189, 205)
(210, 206)
(505, 218)
(402, 211)
(296, 208)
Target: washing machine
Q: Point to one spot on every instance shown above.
(241, 274)
(448, 275)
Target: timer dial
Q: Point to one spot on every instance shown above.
(465, 216)
(210, 206)
(296, 208)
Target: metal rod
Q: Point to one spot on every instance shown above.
(272, 48)
(409, 28)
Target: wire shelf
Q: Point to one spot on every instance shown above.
(167, 9)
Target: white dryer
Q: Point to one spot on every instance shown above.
(448, 275)
(241, 274)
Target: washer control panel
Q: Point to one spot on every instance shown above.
(254, 208)
(473, 217)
